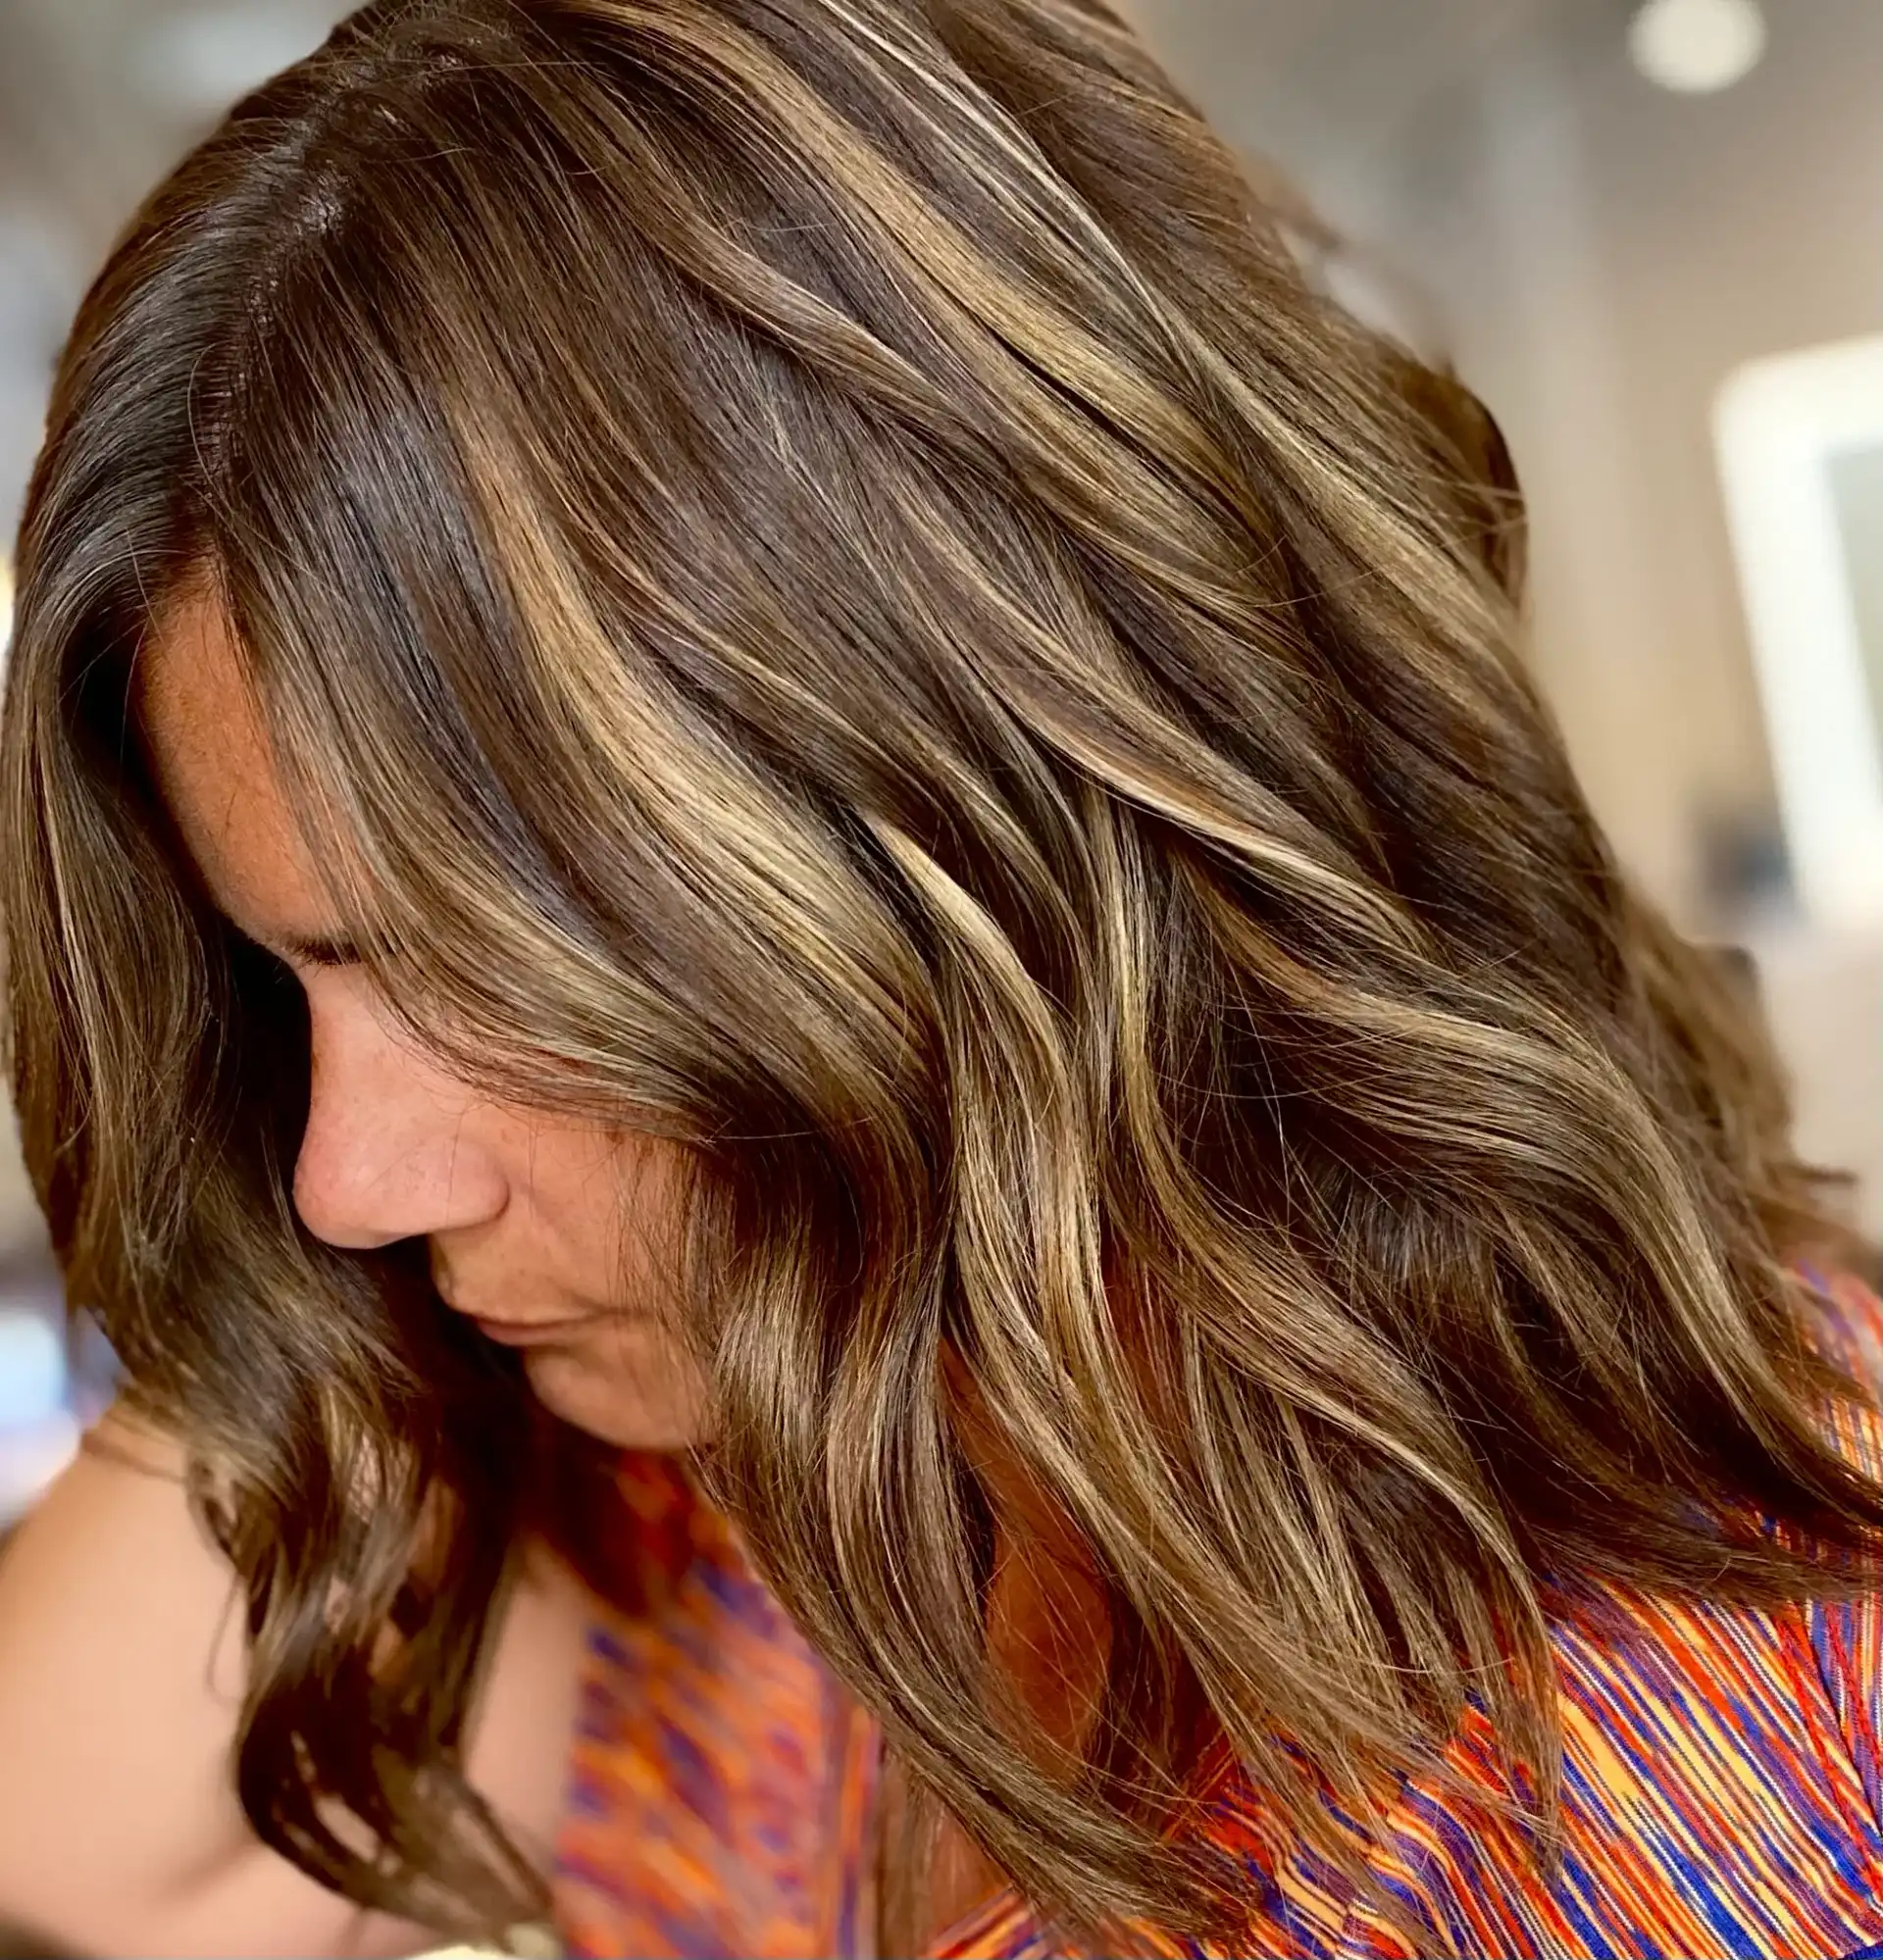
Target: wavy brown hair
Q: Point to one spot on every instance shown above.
(829, 592)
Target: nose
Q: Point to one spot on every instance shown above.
(390, 1150)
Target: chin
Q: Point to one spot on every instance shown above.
(624, 1400)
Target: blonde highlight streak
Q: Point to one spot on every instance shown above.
(832, 594)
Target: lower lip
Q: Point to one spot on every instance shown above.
(546, 1333)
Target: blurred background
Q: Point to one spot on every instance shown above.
(1649, 235)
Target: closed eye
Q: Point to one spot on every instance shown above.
(302, 950)
(319, 952)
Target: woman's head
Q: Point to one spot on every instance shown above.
(542, 1227)
(907, 769)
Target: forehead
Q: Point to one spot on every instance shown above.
(218, 778)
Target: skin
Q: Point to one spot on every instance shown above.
(121, 1686)
(545, 1230)
(120, 1831)
(121, 1664)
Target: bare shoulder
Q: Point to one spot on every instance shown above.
(121, 1673)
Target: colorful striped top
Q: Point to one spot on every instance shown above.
(1722, 1800)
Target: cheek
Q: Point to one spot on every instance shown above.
(609, 1205)
(635, 1386)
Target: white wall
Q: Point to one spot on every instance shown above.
(1597, 255)
(1600, 254)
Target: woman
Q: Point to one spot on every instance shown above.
(767, 816)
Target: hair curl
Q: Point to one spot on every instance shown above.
(832, 592)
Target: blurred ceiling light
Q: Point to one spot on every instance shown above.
(201, 61)
(6, 606)
(1697, 47)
